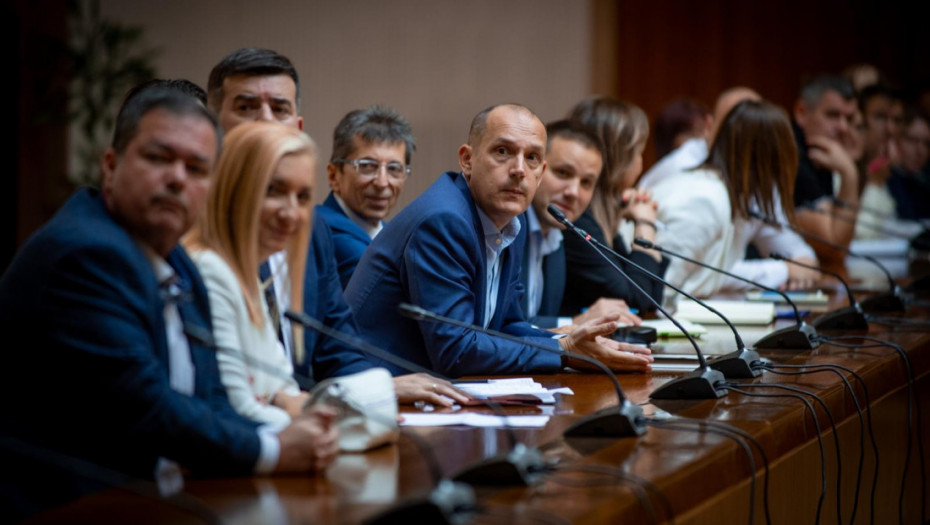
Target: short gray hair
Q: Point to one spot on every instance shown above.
(376, 124)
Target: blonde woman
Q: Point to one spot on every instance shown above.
(623, 129)
(259, 203)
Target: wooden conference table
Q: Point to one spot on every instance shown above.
(705, 478)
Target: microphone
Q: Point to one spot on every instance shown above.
(704, 382)
(890, 301)
(623, 420)
(847, 318)
(522, 466)
(803, 335)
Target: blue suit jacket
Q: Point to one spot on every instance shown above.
(432, 254)
(92, 379)
(323, 300)
(553, 269)
(349, 240)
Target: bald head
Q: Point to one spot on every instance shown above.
(727, 101)
(480, 123)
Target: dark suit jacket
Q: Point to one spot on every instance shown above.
(432, 254)
(589, 277)
(349, 240)
(91, 381)
(323, 300)
(553, 269)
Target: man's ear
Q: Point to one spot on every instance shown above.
(108, 168)
(331, 170)
(465, 158)
(800, 113)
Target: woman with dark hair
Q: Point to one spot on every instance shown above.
(751, 167)
(623, 128)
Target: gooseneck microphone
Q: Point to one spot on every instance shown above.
(802, 336)
(889, 301)
(521, 466)
(623, 420)
(847, 318)
(704, 382)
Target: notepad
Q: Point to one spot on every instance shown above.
(738, 312)
(817, 298)
(665, 328)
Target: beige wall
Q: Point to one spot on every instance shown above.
(438, 62)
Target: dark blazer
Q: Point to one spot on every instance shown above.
(553, 269)
(589, 277)
(349, 239)
(432, 254)
(91, 381)
(323, 300)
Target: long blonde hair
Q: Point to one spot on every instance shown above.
(230, 226)
(623, 128)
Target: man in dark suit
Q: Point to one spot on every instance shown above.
(451, 252)
(573, 163)
(370, 162)
(116, 373)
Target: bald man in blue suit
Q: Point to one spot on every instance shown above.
(450, 251)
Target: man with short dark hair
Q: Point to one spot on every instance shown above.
(574, 158)
(253, 84)
(370, 162)
(118, 321)
(451, 251)
(823, 116)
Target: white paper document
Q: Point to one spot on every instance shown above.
(512, 390)
(415, 419)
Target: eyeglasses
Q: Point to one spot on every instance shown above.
(369, 168)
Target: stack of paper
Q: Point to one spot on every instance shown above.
(817, 298)
(738, 312)
(521, 389)
(665, 328)
(472, 420)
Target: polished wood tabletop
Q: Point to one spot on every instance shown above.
(684, 475)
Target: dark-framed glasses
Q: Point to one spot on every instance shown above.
(370, 168)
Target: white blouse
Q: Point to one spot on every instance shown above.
(252, 362)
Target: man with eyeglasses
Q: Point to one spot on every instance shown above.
(370, 162)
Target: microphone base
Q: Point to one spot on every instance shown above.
(846, 318)
(792, 337)
(625, 420)
(447, 504)
(884, 302)
(521, 466)
(738, 364)
(699, 384)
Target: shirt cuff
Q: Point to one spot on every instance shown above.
(563, 321)
(270, 449)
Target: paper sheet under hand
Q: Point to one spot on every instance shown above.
(415, 419)
(518, 389)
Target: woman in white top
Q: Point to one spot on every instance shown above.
(751, 166)
(259, 204)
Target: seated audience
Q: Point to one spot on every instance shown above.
(573, 165)
(909, 183)
(451, 251)
(623, 129)
(751, 167)
(823, 117)
(367, 170)
(680, 121)
(120, 320)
